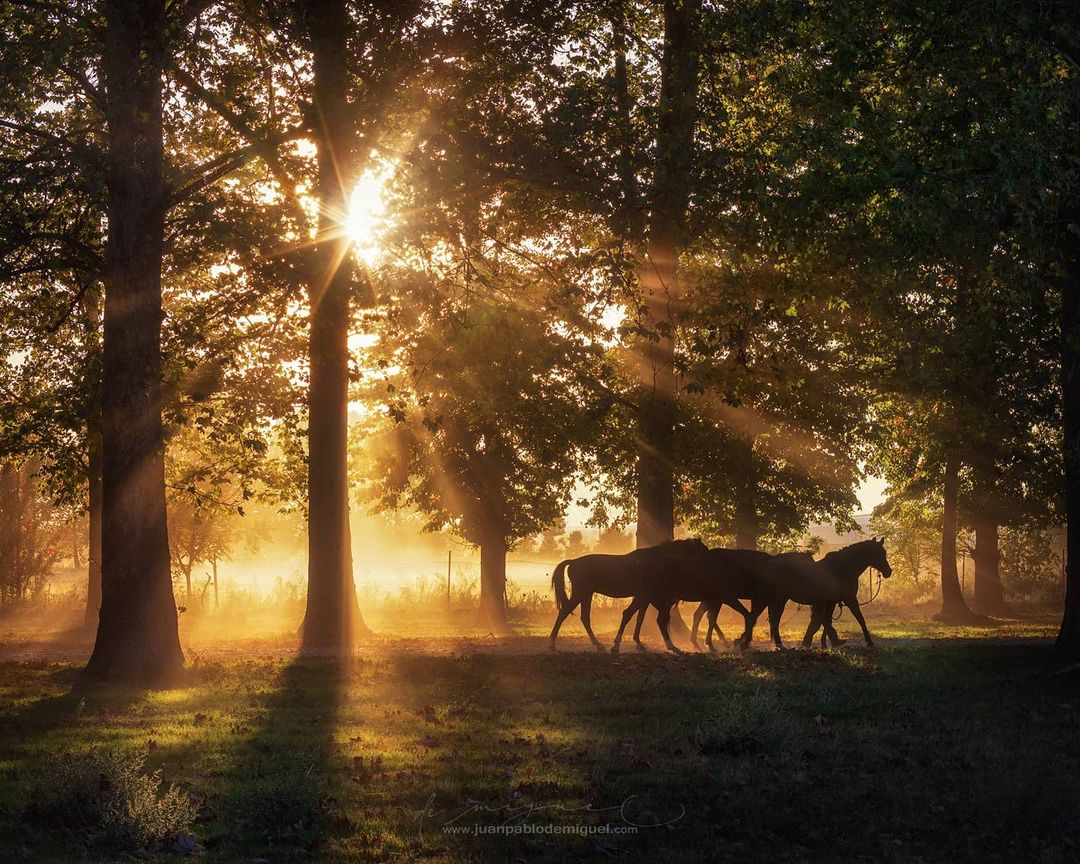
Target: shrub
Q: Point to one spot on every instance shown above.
(109, 791)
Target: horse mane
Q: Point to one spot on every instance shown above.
(843, 556)
(686, 541)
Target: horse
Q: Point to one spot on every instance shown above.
(612, 576)
(818, 584)
(716, 577)
(749, 588)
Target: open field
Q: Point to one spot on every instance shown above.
(929, 749)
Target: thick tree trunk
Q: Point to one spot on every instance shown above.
(137, 633)
(10, 525)
(92, 413)
(954, 608)
(657, 277)
(658, 274)
(493, 584)
(93, 479)
(332, 622)
(747, 527)
(1068, 640)
(988, 598)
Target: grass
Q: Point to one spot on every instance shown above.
(929, 749)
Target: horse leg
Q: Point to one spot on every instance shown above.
(776, 611)
(830, 631)
(713, 612)
(698, 614)
(750, 620)
(737, 605)
(853, 605)
(662, 618)
(562, 616)
(627, 614)
(643, 607)
(812, 628)
(586, 611)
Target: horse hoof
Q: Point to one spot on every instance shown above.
(614, 649)
(600, 648)
(641, 647)
(551, 647)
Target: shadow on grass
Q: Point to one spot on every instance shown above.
(764, 757)
(540, 757)
(280, 784)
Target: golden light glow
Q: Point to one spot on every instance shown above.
(367, 220)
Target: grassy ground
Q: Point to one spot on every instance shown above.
(929, 749)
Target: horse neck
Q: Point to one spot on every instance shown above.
(847, 563)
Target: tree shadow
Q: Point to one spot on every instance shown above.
(280, 784)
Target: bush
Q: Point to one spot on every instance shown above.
(109, 791)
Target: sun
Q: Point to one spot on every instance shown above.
(367, 219)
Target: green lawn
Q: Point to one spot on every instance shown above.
(928, 750)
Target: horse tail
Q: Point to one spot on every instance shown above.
(558, 582)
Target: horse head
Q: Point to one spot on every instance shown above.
(876, 557)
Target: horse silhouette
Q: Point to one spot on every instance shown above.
(818, 584)
(745, 566)
(614, 576)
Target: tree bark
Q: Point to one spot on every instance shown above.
(1068, 640)
(93, 479)
(658, 274)
(493, 583)
(92, 413)
(332, 622)
(988, 597)
(10, 525)
(746, 491)
(137, 634)
(954, 608)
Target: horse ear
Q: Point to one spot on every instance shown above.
(881, 540)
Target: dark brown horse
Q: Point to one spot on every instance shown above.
(715, 577)
(751, 590)
(818, 584)
(614, 576)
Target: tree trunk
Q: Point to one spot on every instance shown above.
(657, 278)
(137, 634)
(92, 414)
(93, 575)
(10, 521)
(746, 492)
(658, 275)
(954, 608)
(988, 598)
(332, 621)
(1068, 640)
(493, 583)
